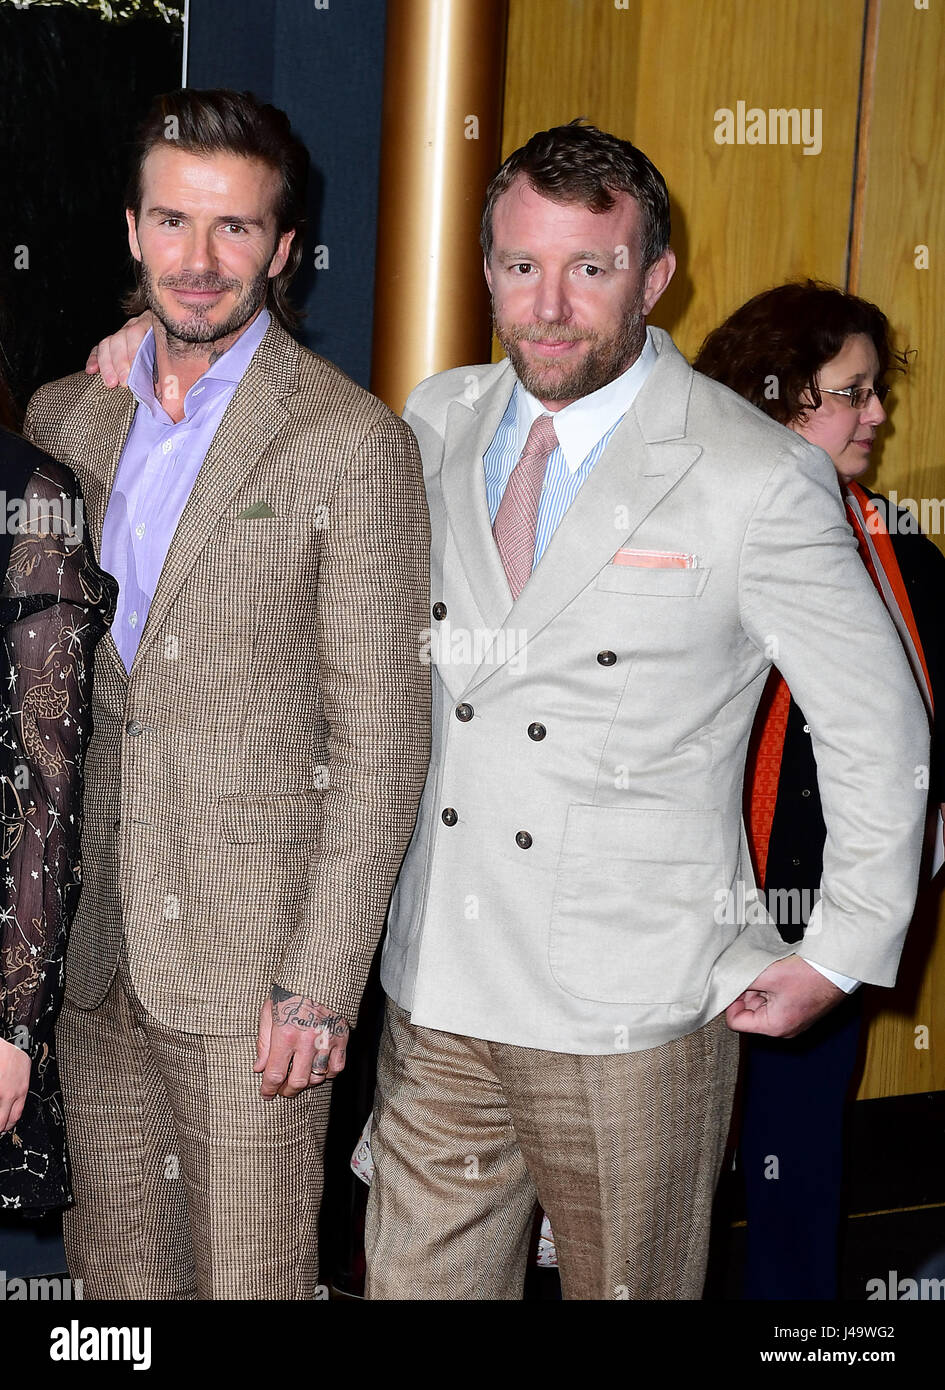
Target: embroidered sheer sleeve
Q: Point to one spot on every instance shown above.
(56, 603)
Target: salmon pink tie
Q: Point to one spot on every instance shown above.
(517, 517)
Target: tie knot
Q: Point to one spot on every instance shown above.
(542, 439)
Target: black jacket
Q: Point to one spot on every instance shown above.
(796, 846)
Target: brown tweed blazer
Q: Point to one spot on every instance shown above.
(252, 784)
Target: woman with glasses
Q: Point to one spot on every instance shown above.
(814, 358)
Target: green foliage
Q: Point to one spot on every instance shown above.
(114, 10)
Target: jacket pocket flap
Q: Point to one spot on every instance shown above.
(664, 835)
(286, 816)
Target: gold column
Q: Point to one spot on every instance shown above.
(441, 134)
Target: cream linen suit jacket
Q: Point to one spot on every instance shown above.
(252, 783)
(584, 890)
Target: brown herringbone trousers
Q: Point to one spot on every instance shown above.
(623, 1152)
(187, 1184)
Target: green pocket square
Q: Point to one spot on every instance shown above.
(258, 509)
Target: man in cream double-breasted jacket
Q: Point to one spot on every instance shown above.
(575, 913)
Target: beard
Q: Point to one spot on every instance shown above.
(604, 359)
(197, 327)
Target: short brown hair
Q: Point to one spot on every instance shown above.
(224, 122)
(786, 335)
(578, 163)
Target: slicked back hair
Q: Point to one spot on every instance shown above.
(224, 122)
(578, 163)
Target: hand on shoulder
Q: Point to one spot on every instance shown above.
(113, 356)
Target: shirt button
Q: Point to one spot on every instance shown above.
(139, 530)
(607, 658)
(464, 713)
(167, 446)
(537, 732)
(523, 839)
(439, 611)
(449, 816)
(133, 619)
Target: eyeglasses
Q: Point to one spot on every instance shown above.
(857, 396)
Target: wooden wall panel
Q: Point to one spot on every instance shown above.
(745, 216)
(750, 216)
(901, 206)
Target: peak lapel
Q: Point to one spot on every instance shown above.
(468, 434)
(644, 460)
(112, 414)
(250, 422)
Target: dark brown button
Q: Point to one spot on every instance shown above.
(523, 839)
(449, 816)
(607, 658)
(464, 713)
(537, 732)
(439, 611)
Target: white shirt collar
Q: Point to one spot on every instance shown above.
(581, 424)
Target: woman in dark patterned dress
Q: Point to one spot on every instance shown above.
(54, 606)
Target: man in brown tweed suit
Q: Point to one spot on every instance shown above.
(261, 731)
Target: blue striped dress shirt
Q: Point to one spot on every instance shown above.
(583, 429)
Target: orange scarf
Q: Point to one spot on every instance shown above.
(767, 744)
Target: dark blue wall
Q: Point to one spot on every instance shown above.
(325, 68)
(74, 89)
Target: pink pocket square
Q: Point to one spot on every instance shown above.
(655, 559)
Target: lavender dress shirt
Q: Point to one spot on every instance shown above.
(156, 474)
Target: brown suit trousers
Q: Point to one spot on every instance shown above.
(623, 1152)
(187, 1183)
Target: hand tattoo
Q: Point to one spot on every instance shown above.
(302, 1012)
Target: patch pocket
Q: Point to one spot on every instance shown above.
(632, 920)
